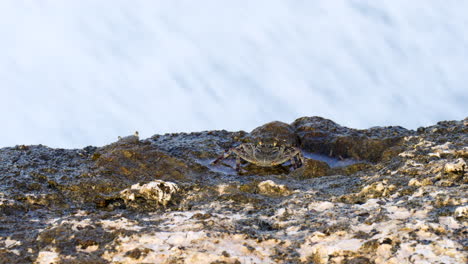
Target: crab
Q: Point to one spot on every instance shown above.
(262, 154)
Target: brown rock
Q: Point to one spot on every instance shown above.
(320, 135)
(311, 169)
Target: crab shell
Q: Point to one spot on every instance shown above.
(267, 155)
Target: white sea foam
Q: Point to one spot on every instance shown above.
(80, 73)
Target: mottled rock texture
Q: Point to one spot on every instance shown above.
(379, 195)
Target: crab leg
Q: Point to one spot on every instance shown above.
(293, 162)
(301, 159)
(226, 154)
(238, 164)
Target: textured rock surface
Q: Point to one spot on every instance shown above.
(381, 195)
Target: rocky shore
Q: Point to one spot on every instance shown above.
(379, 195)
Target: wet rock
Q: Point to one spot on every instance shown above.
(139, 162)
(197, 146)
(160, 200)
(319, 135)
(311, 168)
(118, 166)
(32, 177)
(252, 169)
(351, 169)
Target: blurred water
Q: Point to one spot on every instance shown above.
(332, 162)
(77, 73)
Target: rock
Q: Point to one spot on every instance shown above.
(459, 166)
(269, 187)
(351, 169)
(154, 193)
(462, 211)
(160, 200)
(122, 164)
(323, 136)
(134, 161)
(311, 168)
